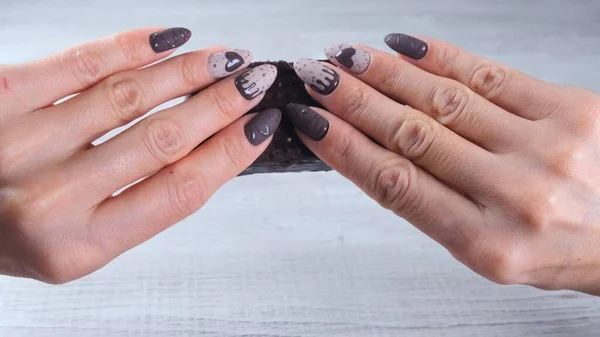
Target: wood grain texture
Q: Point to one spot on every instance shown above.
(303, 254)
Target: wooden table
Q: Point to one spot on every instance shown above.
(303, 254)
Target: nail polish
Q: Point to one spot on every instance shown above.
(256, 81)
(407, 45)
(224, 63)
(354, 59)
(321, 78)
(307, 121)
(262, 126)
(169, 39)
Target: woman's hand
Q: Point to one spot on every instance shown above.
(500, 168)
(59, 217)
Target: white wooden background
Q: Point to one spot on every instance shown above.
(303, 254)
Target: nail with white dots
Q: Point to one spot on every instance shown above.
(169, 39)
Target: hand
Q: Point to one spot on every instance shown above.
(500, 168)
(60, 216)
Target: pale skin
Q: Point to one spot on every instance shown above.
(496, 166)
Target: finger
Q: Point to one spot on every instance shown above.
(393, 181)
(512, 90)
(451, 103)
(43, 82)
(167, 136)
(401, 129)
(123, 222)
(123, 97)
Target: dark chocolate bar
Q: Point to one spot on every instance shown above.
(286, 153)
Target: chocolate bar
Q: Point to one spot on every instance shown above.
(286, 152)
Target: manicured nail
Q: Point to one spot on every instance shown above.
(169, 39)
(307, 121)
(262, 126)
(407, 45)
(224, 63)
(256, 81)
(322, 79)
(354, 59)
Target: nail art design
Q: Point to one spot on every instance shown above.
(262, 126)
(307, 121)
(407, 45)
(354, 59)
(322, 79)
(224, 63)
(256, 81)
(169, 39)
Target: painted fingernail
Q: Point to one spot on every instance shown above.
(321, 78)
(354, 59)
(407, 45)
(169, 39)
(224, 63)
(262, 126)
(256, 81)
(307, 121)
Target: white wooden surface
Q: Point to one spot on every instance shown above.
(303, 254)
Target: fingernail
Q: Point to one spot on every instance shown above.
(169, 39)
(224, 63)
(322, 79)
(262, 126)
(256, 81)
(354, 59)
(407, 45)
(307, 121)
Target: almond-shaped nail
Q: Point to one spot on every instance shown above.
(255, 81)
(262, 126)
(407, 45)
(354, 59)
(224, 63)
(321, 78)
(307, 121)
(169, 39)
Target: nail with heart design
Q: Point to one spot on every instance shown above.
(262, 126)
(354, 59)
(224, 63)
(319, 77)
(255, 81)
(169, 39)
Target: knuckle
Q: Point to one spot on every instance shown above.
(446, 57)
(187, 193)
(192, 72)
(223, 104)
(233, 152)
(568, 161)
(392, 184)
(538, 212)
(356, 102)
(489, 80)
(126, 97)
(164, 139)
(132, 52)
(89, 65)
(413, 139)
(53, 267)
(345, 149)
(503, 266)
(450, 104)
(390, 77)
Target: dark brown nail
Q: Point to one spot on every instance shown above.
(169, 39)
(407, 45)
(262, 126)
(307, 121)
